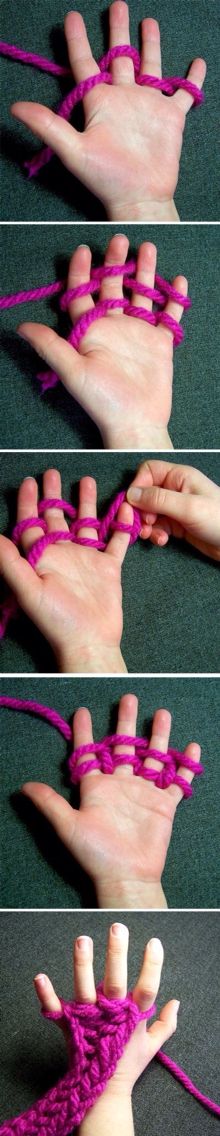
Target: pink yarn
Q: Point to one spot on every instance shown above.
(104, 757)
(168, 86)
(98, 1035)
(163, 291)
(104, 528)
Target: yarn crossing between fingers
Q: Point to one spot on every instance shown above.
(105, 759)
(104, 528)
(167, 86)
(98, 1034)
(159, 295)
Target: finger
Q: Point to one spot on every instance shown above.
(115, 977)
(126, 724)
(63, 818)
(83, 976)
(55, 132)
(173, 309)
(27, 507)
(83, 735)
(79, 273)
(178, 477)
(87, 507)
(122, 69)
(118, 543)
(196, 74)
(160, 533)
(159, 738)
(46, 994)
(60, 355)
(52, 488)
(80, 56)
(193, 750)
(182, 507)
(20, 577)
(112, 286)
(145, 273)
(150, 51)
(148, 982)
(163, 1028)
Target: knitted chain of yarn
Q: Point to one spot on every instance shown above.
(104, 528)
(98, 1035)
(127, 271)
(105, 759)
(167, 86)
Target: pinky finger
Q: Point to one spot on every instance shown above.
(46, 993)
(163, 1028)
(193, 750)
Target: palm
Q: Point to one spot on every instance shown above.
(81, 595)
(150, 151)
(128, 373)
(129, 814)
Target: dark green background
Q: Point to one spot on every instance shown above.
(170, 596)
(187, 30)
(32, 1052)
(37, 871)
(32, 256)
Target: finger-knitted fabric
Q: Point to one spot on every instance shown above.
(106, 760)
(98, 1035)
(167, 85)
(160, 294)
(104, 529)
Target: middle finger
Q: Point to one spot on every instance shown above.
(159, 738)
(115, 977)
(145, 274)
(126, 724)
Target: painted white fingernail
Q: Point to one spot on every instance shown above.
(83, 943)
(156, 948)
(42, 978)
(120, 930)
(177, 1006)
(83, 246)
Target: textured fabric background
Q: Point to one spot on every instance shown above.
(32, 1050)
(37, 871)
(170, 596)
(33, 256)
(187, 30)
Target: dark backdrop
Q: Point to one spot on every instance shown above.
(36, 870)
(187, 30)
(170, 595)
(32, 256)
(32, 1050)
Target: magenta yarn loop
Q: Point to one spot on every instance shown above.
(160, 294)
(104, 757)
(98, 1035)
(167, 85)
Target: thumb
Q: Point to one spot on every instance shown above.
(64, 819)
(55, 131)
(183, 507)
(20, 577)
(57, 353)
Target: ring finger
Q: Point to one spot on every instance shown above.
(148, 982)
(126, 724)
(159, 738)
(87, 507)
(115, 977)
(145, 274)
(83, 976)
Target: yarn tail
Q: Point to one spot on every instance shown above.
(181, 1076)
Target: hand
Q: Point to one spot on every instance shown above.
(179, 501)
(121, 833)
(115, 1102)
(129, 152)
(74, 595)
(122, 374)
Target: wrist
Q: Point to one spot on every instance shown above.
(111, 1112)
(145, 437)
(164, 211)
(134, 894)
(95, 659)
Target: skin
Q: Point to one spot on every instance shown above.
(122, 379)
(101, 156)
(121, 833)
(177, 500)
(74, 595)
(115, 1105)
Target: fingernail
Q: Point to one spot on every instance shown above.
(177, 1006)
(119, 930)
(83, 246)
(134, 495)
(84, 943)
(156, 948)
(42, 978)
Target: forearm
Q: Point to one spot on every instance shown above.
(164, 211)
(111, 1113)
(124, 894)
(96, 660)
